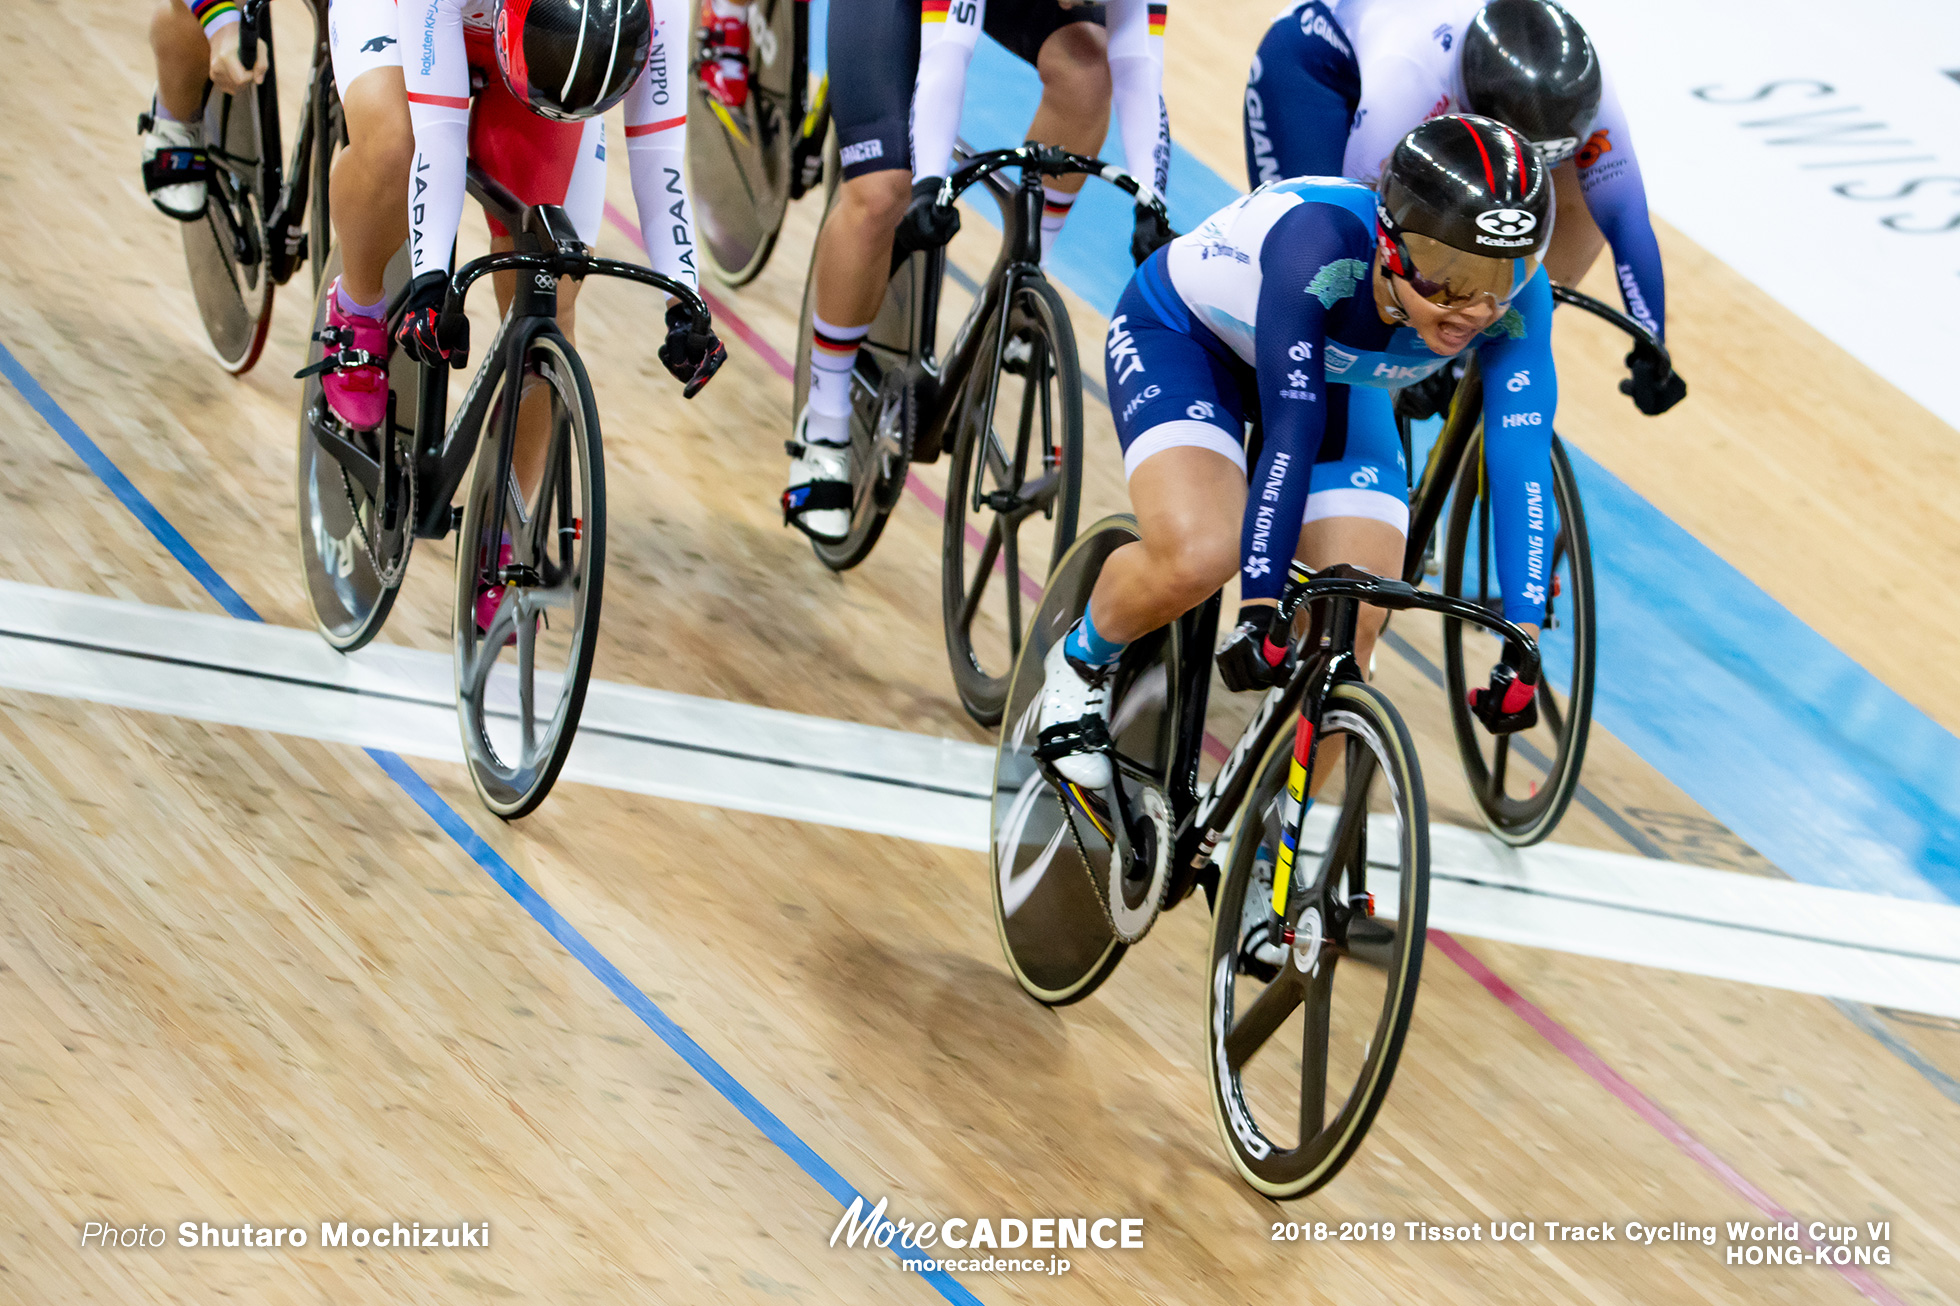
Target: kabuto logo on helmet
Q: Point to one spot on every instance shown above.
(1557, 150)
(1507, 222)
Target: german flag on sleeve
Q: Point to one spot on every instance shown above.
(1158, 13)
(933, 11)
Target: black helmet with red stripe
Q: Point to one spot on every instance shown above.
(572, 59)
(1465, 210)
(1528, 64)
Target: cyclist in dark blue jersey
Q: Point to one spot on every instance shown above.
(1336, 83)
(1306, 302)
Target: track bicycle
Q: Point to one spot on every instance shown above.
(365, 497)
(1307, 895)
(1521, 783)
(261, 220)
(745, 165)
(1014, 487)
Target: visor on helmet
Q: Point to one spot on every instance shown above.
(1449, 277)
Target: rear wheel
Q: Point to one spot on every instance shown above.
(1055, 890)
(225, 249)
(1014, 490)
(740, 161)
(1522, 783)
(354, 539)
(1305, 1033)
(535, 581)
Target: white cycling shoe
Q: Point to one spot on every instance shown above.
(1074, 721)
(174, 167)
(817, 500)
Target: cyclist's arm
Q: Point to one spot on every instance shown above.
(656, 146)
(215, 15)
(1398, 94)
(947, 36)
(1136, 72)
(1294, 416)
(1520, 398)
(1609, 176)
(437, 71)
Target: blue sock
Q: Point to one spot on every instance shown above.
(1086, 646)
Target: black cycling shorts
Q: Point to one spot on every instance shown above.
(874, 65)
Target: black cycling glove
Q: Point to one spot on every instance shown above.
(1431, 396)
(429, 336)
(692, 354)
(1654, 388)
(1249, 659)
(1151, 233)
(925, 225)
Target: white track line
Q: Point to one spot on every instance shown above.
(212, 668)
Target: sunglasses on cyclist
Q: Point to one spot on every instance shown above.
(1452, 278)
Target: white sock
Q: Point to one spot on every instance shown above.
(833, 352)
(1054, 212)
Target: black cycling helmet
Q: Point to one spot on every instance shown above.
(1529, 64)
(1465, 211)
(571, 59)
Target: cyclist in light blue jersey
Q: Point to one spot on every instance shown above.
(1305, 303)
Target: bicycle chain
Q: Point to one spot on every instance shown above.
(388, 576)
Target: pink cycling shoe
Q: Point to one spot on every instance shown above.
(357, 394)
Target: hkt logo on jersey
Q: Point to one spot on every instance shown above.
(1508, 228)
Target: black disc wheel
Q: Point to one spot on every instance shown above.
(739, 160)
(225, 249)
(1306, 1013)
(529, 569)
(355, 493)
(888, 395)
(1013, 492)
(1056, 889)
(1522, 783)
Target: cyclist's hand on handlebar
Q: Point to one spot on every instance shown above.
(925, 225)
(1249, 659)
(228, 71)
(429, 337)
(693, 354)
(1508, 704)
(1151, 233)
(1655, 387)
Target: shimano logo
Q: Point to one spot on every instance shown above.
(1507, 222)
(860, 152)
(1124, 361)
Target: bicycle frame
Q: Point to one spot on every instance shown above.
(1334, 597)
(290, 189)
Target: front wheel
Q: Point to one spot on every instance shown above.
(224, 250)
(528, 590)
(1014, 490)
(1522, 783)
(1305, 1030)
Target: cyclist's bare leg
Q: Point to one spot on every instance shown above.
(534, 410)
(183, 59)
(368, 192)
(854, 250)
(1075, 96)
(1576, 238)
(1188, 504)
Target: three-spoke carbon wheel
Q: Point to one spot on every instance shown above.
(1304, 1032)
(740, 161)
(534, 583)
(225, 249)
(1052, 907)
(1522, 783)
(1014, 490)
(354, 538)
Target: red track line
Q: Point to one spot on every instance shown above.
(1526, 1010)
(1643, 1106)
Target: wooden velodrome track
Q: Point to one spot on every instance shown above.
(243, 976)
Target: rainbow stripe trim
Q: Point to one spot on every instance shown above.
(1159, 14)
(933, 11)
(214, 14)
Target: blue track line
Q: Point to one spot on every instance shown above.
(466, 837)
